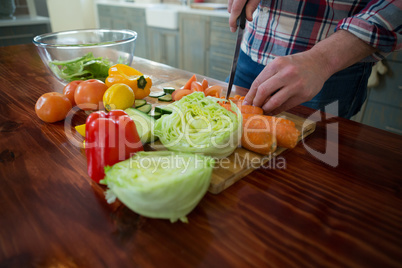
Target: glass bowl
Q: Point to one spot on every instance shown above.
(85, 54)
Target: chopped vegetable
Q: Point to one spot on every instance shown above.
(180, 93)
(80, 129)
(155, 114)
(169, 90)
(82, 68)
(160, 184)
(188, 84)
(214, 91)
(261, 141)
(167, 97)
(110, 138)
(284, 130)
(139, 103)
(199, 124)
(164, 109)
(196, 86)
(156, 94)
(145, 108)
(144, 123)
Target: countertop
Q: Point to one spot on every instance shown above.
(24, 20)
(340, 211)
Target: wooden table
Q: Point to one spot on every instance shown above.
(310, 213)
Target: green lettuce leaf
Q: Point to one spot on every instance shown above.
(160, 184)
(199, 124)
(82, 68)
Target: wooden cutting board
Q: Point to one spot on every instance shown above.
(242, 162)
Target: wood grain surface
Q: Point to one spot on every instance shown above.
(307, 213)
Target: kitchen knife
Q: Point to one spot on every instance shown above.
(241, 23)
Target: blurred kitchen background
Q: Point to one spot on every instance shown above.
(192, 35)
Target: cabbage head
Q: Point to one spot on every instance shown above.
(198, 124)
(160, 184)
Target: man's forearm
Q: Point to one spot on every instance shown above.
(340, 50)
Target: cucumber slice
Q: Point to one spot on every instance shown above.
(139, 103)
(156, 94)
(144, 124)
(155, 114)
(167, 97)
(164, 109)
(169, 90)
(145, 108)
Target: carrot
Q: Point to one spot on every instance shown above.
(249, 109)
(270, 119)
(196, 86)
(188, 84)
(258, 140)
(204, 84)
(213, 90)
(227, 106)
(286, 135)
(180, 93)
(284, 130)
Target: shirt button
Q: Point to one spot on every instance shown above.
(265, 9)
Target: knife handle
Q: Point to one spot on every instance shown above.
(241, 20)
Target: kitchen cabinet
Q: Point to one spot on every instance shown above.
(22, 30)
(207, 45)
(222, 44)
(163, 45)
(119, 17)
(193, 42)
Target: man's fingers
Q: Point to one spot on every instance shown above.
(280, 101)
(266, 89)
(289, 104)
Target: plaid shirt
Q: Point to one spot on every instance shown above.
(284, 27)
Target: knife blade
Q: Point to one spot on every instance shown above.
(241, 23)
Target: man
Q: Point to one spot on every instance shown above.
(313, 52)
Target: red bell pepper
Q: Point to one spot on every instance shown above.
(110, 138)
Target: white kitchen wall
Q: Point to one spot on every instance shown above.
(71, 14)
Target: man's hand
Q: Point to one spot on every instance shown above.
(236, 6)
(287, 82)
(291, 80)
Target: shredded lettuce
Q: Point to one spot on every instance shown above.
(82, 68)
(198, 124)
(160, 184)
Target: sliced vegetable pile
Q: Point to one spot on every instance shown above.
(193, 85)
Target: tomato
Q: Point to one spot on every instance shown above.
(69, 90)
(52, 107)
(89, 94)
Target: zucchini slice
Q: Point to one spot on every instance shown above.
(139, 103)
(167, 97)
(163, 109)
(169, 90)
(145, 108)
(155, 114)
(156, 94)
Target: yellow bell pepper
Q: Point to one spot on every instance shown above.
(80, 129)
(140, 84)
